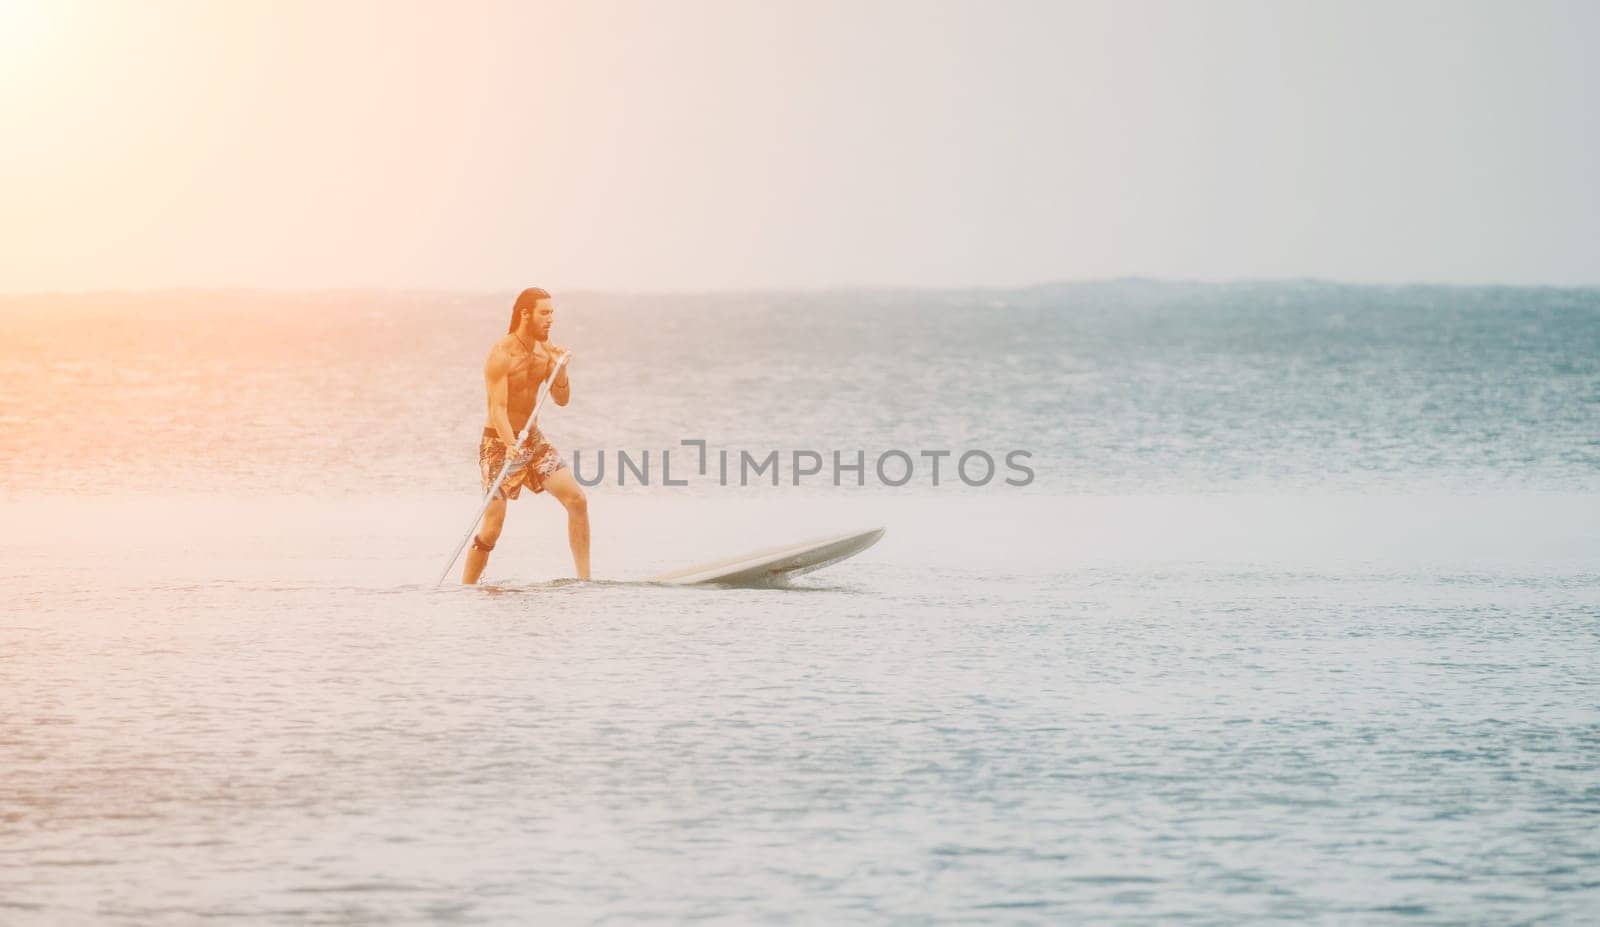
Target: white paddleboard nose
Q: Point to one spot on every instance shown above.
(775, 564)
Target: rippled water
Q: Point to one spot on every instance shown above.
(1129, 388)
(1299, 620)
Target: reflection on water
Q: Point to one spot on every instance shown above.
(1217, 709)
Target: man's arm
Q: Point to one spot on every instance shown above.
(561, 387)
(496, 376)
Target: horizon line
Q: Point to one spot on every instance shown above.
(1059, 283)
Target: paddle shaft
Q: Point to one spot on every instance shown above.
(505, 468)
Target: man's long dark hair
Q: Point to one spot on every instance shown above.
(526, 300)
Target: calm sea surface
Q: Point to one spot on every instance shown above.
(1299, 617)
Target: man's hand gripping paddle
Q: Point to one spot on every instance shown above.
(513, 456)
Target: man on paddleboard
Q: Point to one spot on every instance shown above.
(517, 365)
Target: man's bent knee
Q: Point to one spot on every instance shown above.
(566, 491)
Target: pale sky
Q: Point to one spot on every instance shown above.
(700, 145)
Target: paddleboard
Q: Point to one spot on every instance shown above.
(776, 565)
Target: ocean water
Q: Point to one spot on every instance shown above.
(1298, 617)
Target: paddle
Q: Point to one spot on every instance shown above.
(511, 456)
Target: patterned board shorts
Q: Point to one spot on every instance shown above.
(535, 467)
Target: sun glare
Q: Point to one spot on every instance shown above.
(29, 30)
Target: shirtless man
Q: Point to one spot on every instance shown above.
(517, 364)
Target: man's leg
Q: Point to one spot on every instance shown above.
(488, 532)
(567, 492)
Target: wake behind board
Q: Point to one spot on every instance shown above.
(776, 565)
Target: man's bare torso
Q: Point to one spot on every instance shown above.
(527, 369)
